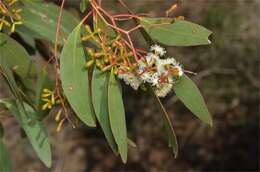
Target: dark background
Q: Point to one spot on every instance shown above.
(228, 77)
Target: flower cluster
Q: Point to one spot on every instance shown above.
(9, 15)
(49, 99)
(111, 52)
(154, 70)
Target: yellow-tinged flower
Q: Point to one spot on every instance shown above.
(60, 124)
(58, 115)
(47, 105)
(11, 2)
(10, 15)
(4, 22)
(49, 98)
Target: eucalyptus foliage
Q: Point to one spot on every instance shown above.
(93, 60)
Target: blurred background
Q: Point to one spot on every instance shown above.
(228, 77)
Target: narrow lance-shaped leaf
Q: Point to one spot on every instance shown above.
(5, 160)
(117, 116)
(172, 140)
(41, 18)
(28, 35)
(191, 97)
(33, 129)
(100, 103)
(25, 116)
(74, 77)
(16, 57)
(8, 76)
(174, 32)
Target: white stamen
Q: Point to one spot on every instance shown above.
(130, 79)
(180, 70)
(151, 58)
(158, 50)
(163, 89)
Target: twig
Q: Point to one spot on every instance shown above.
(57, 81)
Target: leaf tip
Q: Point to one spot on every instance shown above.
(208, 121)
(92, 124)
(211, 123)
(175, 152)
(124, 159)
(48, 163)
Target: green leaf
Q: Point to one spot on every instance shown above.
(28, 35)
(191, 97)
(172, 140)
(176, 32)
(100, 103)
(26, 117)
(34, 130)
(16, 57)
(74, 77)
(26, 87)
(5, 160)
(41, 18)
(83, 5)
(8, 76)
(117, 116)
(43, 81)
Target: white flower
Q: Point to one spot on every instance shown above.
(169, 61)
(130, 79)
(178, 70)
(160, 64)
(158, 50)
(146, 77)
(140, 67)
(155, 79)
(149, 77)
(160, 67)
(170, 80)
(151, 58)
(163, 89)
